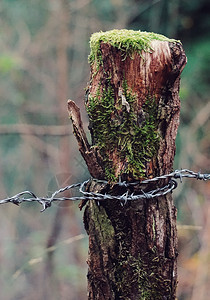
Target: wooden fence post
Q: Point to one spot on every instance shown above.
(133, 105)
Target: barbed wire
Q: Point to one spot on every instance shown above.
(28, 196)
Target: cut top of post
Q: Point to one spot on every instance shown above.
(128, 41)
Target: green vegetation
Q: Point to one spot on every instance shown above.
(128, 41)
(143, 275)
(103, 225)
(114, 127)
(7, 63)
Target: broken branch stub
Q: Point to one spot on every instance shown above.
(89, 153)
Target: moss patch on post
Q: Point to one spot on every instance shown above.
(145, 278)
(115, 128)
(128, 41)
(103, 226)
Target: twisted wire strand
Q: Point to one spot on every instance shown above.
(28, 196)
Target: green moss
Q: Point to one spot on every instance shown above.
(114, 127)
(103, 225)
(144, 277)
(128, 41)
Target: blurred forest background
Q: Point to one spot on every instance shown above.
(44, 47)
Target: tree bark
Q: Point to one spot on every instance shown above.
(133, 106)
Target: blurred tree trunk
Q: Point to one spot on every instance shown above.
(133, 106)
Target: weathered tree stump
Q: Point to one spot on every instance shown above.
(133, 105)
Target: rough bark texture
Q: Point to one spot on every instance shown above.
(132, 248)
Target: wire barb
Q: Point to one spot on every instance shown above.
(46, 202)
